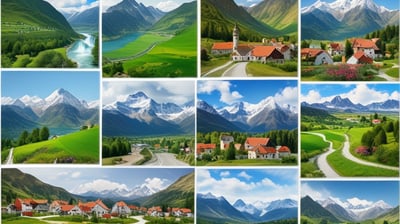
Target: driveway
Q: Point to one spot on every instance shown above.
(237, 70)
(165, 159)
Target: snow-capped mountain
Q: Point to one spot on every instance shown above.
(339, 103)
(139, 114)
(345, 18)
(262, 116)
(260, 208)
(355, 209)
(248, 208)
(121, 192)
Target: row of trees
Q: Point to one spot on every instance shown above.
(118, 146)
(37, 135)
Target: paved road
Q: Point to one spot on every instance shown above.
(139, 218)
(237, 70)
(321, 160)
(346, 153)
(10, 157)
(165, 159)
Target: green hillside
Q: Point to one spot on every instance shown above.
(390, 217)
(178, 19)
(78, 147)
(15, 183)
(179, 194)
(219, 17)
(281, 15)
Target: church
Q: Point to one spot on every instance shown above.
(276, 53)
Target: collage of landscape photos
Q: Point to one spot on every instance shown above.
(344, 40)
(249, 38)
(148, 122)
(49, 34)
(149, 39)
(98, 195)
(349, 130)
(48, 117)
(350, 201)
(247, 123)
(252, 195)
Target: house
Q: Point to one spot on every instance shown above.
(70, 210)
(367, 46)
(203, 148)
(97, 207)
(335, 49)
(221, 48)
(283, 151)
(316, 55)
(225, 140)
(376, 121)
(251, 143)
(155, 211)
(181, 212)
(265, 54)
(242, 52)
(262, 152)
(29, 205)
(55, 205)
(120, 208)
(360, 58)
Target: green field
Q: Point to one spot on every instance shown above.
(393, 72)
(311, 143)
(176, 57)
(81, 146)
(137, 46)
(22, 220)
(265, 70)
(335, 136)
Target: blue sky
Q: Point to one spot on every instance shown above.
(357, 93)
(166, 91)
(390, 4)
(250, 185)
(222, 93)
(82, 84)
(81, 179)
(372, 191)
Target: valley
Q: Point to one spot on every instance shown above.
(163, 44)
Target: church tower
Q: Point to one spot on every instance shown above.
(235, 37)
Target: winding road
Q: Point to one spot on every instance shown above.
(237, 70)
(327, 169)
(164, 159)
(10, 157)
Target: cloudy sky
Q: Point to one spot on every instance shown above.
(70, 6)
(358, 192)
(82, 84)
(248, 3)
(80, 180)
(222, 93)
(163, 5)
(357, 93)
(250, 185)
(172, 91)
(390, 4)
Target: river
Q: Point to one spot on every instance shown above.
(116, 44)
(81, 51)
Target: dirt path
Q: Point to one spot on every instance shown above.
(382, 74)
(347, 154)
(321, 160)
(217, 68)
(237, 70)
(130, 160)
(10, 157)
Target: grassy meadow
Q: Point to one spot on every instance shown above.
(81, 146)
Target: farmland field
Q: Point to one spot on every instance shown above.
(81, 146)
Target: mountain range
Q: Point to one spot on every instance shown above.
(242, 116)
(217, 209)
(351, 210)
(15, 183)
(128, 16)
(60, 110)
(86, 18)
(140, 115)
(339, 104)
(344, 19)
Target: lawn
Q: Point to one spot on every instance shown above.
(310, 143)
(393, 72)
(337, 139)
(22, 220)
(81, 146)
(265, 70)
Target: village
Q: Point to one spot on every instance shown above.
(42, 207)
(253, 148)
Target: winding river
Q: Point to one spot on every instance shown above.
(81, 51)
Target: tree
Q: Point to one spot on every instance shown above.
(305, 44)
(348, 49)
(230, 152)
(44, 133)
(23, 138)
(35, 135)
(204, 55)
(380, 138)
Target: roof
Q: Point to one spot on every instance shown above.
(222, 46)
(362, 58)
(257, 141)
(91, 204)
(284, 149)
(66, 208)
(186, 210)
(311, 52)
(336, 46)
(244, 49)
(263, 51)
(264, 150)
(364, 43)
(206, 146)
(59, 202)
(121, 204)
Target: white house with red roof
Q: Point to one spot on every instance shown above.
(120, 208)
(360, 58)
(70, 210)
(316, 55)
(367, 46)
(97, 207)
(203, 148)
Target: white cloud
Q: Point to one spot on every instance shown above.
(105, 4)
(156, 183)
(365, 95)
(223, 87)
(167, 6)
(98, 185)
(71, 6)
(320, 194)
(244, 175)
(225, 174)
(359, 202)
(76, 174)
(287, 96)
(314, 96)
(233, 188)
